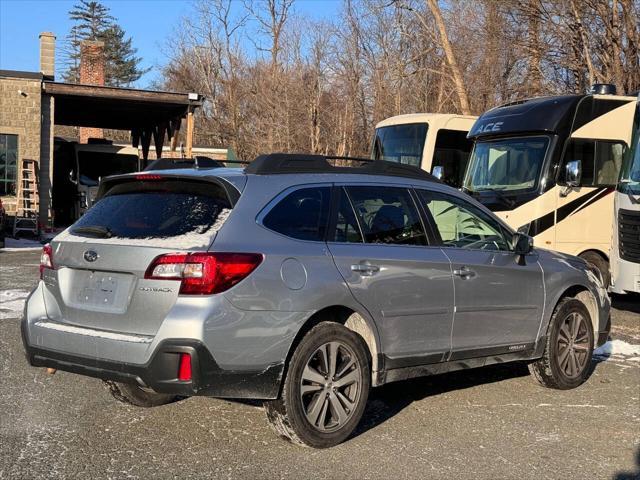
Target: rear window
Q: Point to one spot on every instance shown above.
(157, 210)
(303, 214)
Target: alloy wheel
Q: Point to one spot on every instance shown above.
(573, 345)
(331, 386)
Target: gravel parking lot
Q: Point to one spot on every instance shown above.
(489, 423)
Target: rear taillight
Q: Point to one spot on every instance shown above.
(46, 259)
(203, 273)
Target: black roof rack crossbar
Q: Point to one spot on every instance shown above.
(278, 163)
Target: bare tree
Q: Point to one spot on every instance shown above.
(321, 86)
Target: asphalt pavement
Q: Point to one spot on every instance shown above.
(491, 423)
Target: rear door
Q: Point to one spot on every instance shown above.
(381, 250)
(498, 297)
(101, 260)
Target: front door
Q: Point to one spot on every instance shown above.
(382, 253)
(498, 296)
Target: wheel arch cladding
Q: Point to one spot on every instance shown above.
(352, 320)
(582, 293)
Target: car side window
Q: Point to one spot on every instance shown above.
(461, 224)
(347, 228)
(387, 215)
(302, 214)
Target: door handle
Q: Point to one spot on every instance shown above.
(364, 269)
(464, 272)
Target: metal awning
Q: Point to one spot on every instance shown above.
(148, 114)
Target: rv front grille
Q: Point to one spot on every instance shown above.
(629, 235)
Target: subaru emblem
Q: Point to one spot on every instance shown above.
(90, 255)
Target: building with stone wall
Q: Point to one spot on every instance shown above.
(24, 120)
(32, 104)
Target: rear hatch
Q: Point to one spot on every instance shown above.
(99, 263)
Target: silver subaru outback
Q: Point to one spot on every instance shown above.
(303, 284)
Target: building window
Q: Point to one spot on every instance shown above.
(8, 163)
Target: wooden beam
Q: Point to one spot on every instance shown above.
(189, 139)
(96, 91)
(175, 130)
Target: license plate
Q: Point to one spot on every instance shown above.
(98, 290)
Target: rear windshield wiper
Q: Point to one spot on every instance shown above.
(97, 231)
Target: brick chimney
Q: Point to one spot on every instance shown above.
(91, 73)
(47, 54)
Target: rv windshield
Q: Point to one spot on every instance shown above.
(509, 164)
(400, 143)
(630, 174)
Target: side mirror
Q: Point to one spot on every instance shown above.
(522, 243)
(72, 178)
(573, 173)
(438, 172)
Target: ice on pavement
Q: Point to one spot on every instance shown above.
(24, 244)
(618, 349)
(12, 303)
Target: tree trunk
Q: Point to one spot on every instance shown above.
(458, 80)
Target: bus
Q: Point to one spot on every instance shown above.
(625, 245)
(435, 142)
(548, 166)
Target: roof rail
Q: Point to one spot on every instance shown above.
(278, 163)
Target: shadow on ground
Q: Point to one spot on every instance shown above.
(629, 302)
(630, 475)
(388, 400)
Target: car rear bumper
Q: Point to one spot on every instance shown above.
(161, 371)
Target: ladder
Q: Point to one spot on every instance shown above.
(27, 208)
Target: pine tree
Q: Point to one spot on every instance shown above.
(94, 22)
(121, 65)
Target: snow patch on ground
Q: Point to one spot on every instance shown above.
(20, 244)
(12, 303)
(618, 350)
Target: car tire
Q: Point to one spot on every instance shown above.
(137, 396)
(566, 362)
(326, 413)
(601, 264)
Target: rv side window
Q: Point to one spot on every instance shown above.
(452, 152)
(601, 161)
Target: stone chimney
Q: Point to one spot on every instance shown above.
(91, 73)
(47, 54)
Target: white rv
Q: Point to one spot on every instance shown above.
(436, 142)
(625, 247)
